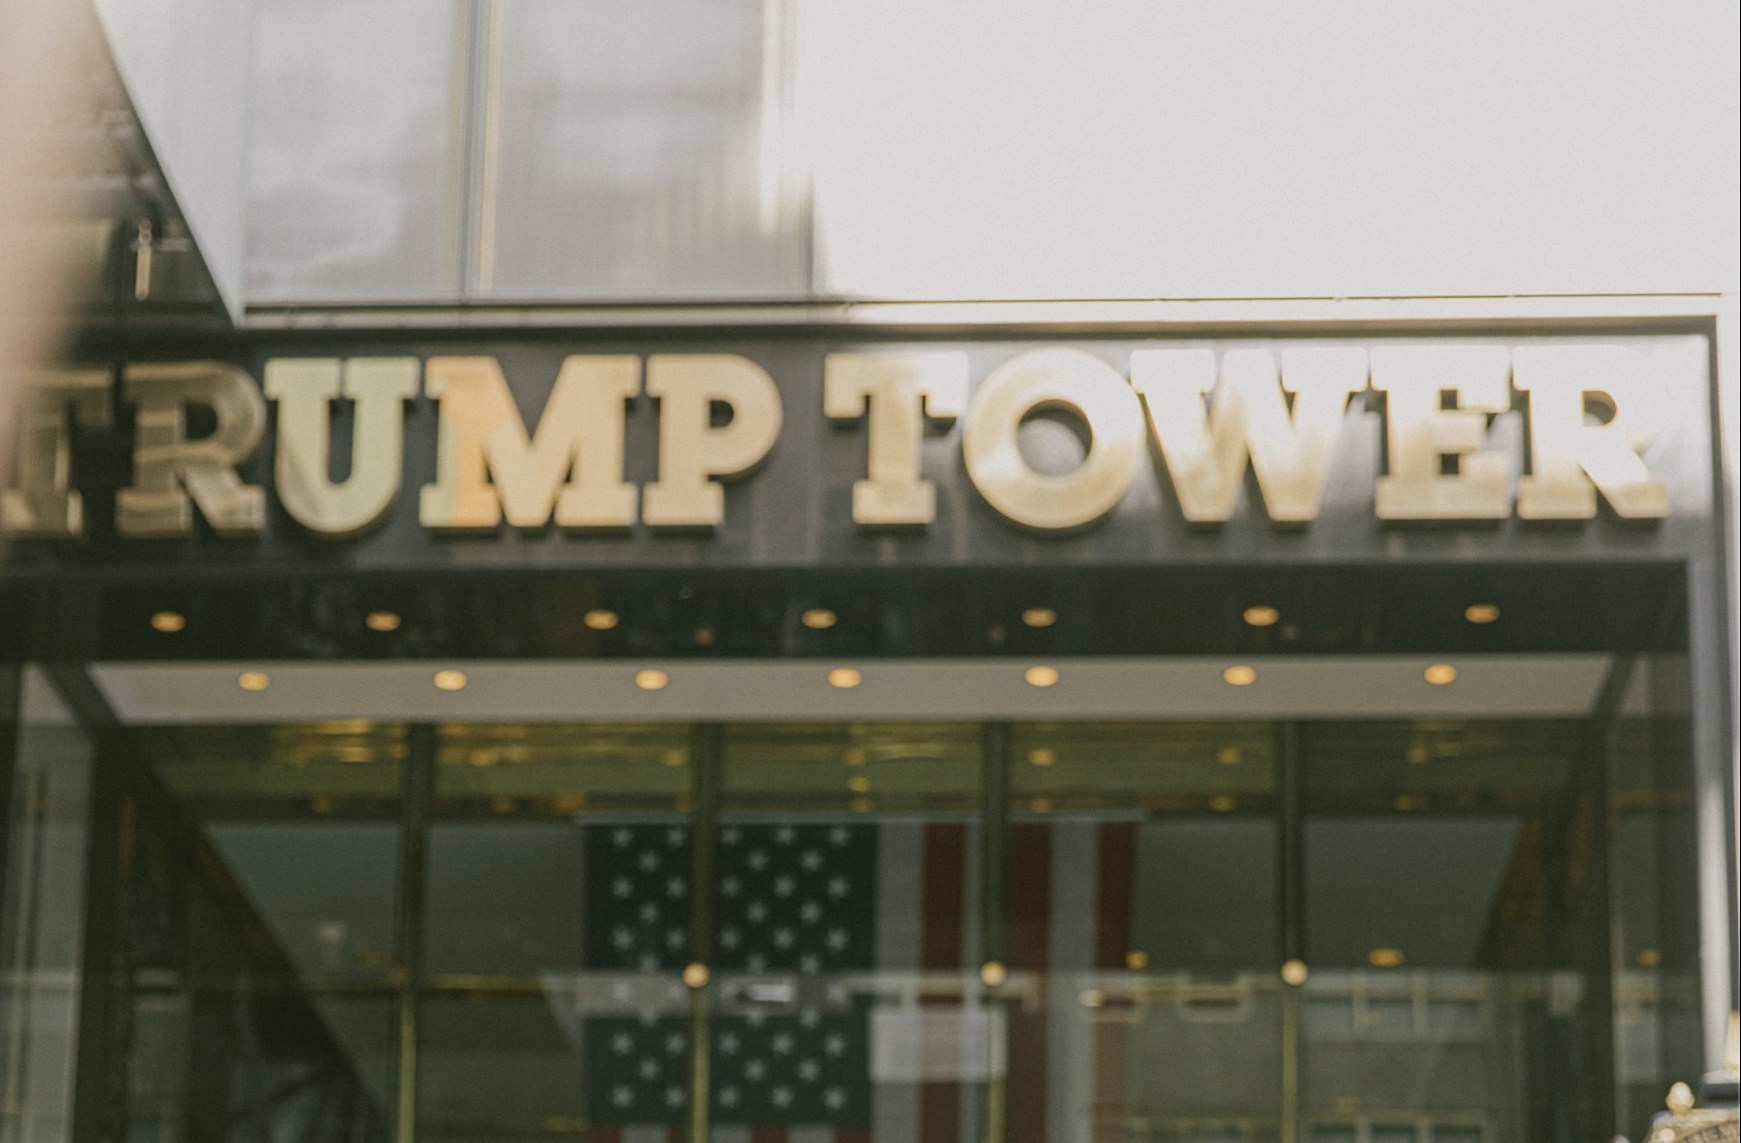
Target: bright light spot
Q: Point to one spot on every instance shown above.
(651, 680)
(844, 677)
(819, 618)
(1441, 673)
(1041, 676)
(1481, 613)
(1240, 676)
(381, 621)
(253, 680)
(1039, 617)
(169, 622)
(1385, 957)
(450, 680)
(1262, 616)
(1042, 756)
(1294, 972)
(599, 619)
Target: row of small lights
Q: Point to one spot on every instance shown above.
(816, 618)
(842, 678)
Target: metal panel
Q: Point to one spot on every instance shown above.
(356, 183)
(638, 149)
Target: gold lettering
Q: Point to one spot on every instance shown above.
(901, 391)
(692, 451)
(305, 389)
(1421, 431)
(1290, 452)
(1035, 381)
(1570, 459)
(172, 473)
(481, 432)
(43, 504)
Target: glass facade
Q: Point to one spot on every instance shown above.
(1380, 930)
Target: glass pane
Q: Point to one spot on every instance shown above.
(556, 923)
(849, 942)
(1654, 874)
(356, 186)
(258, 868)
(41, 930)
(645, 152)
(887, 767)
(1141, 905)
(1431, 851)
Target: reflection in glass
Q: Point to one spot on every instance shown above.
(41, 931)
(644, 152)
(355, 188)
(262, 879)
(556, 922)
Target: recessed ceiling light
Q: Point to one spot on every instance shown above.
(1481, 613)
(599, 619)
(651, 680)
(1039, 617)
(381, 621)
(695, 975)
(1041, 676)
(844, 677)
(819, 618)
(1042, 756)
(253, 680)
(1262, 616)
(450, 680)
(169, 622)
(1440, 673)
(1295, 972)
(993, 973)
(1385, 957)
(1240, 676)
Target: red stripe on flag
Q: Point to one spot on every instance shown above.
(940, 944)
(1028, 945)
(1116, 867)
(1115, 900)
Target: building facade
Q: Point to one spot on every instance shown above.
(600, 571)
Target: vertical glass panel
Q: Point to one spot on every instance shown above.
(848, 909)
(41, 928)
(1438, 866)
(1654, 882)
(644, 151)
(556, 923)
(356, 184)
(1141, 906)
(260, 873)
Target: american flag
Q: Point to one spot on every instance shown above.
(814, 920)
(790, 899)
